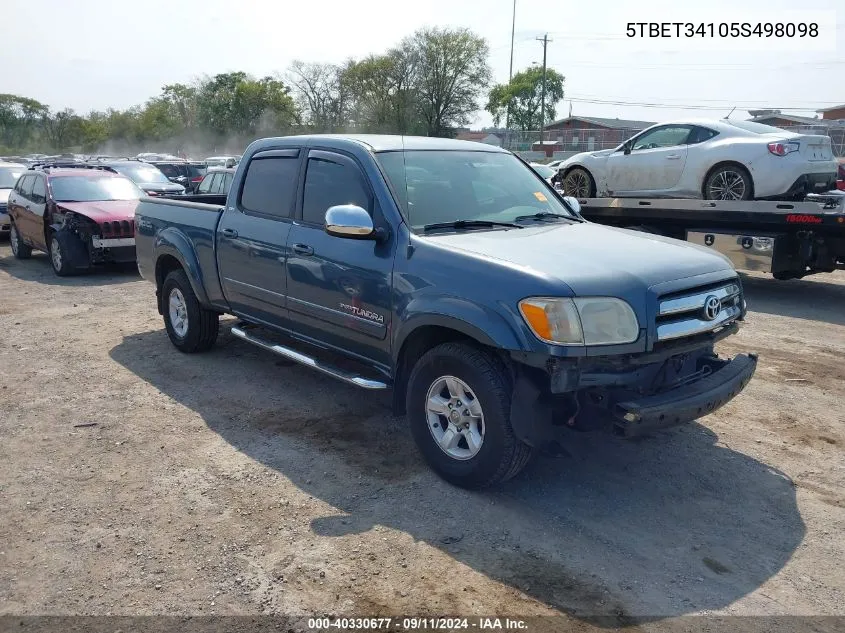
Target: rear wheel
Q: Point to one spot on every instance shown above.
(578, 183)
(458, 404)
(19, 249)
(728, 182)
(191, 327)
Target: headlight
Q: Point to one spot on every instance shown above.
(581, 321)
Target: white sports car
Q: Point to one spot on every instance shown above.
(714, 160)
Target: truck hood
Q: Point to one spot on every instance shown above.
(103, 210)
(589, 258)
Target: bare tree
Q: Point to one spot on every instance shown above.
(452, 74)
(322, 94)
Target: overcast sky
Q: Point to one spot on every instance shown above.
(88, 55)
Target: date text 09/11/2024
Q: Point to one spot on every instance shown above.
(722, 29)
(418, 623)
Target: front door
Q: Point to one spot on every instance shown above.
(655, 162)
(252, 236)
(339, 288)
(38, 206)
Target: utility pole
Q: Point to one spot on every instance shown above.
(510, 70)
(545, 39)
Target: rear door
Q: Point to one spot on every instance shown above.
(339, 289)
(655, 163)
(252, 236)
(20, 208)
(38, 199)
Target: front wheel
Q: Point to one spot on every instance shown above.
(728, 182)
(67, 254)
(458, 404)
(19, 249)
(578, 183)
(191, 327)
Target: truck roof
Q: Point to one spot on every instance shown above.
(386, 142)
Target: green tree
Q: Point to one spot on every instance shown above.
(523, 95)
(452, 72)
(62, 129)
(237, 103)
(20, 120)
(323, 94)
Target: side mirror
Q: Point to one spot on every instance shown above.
(573, 204)
(627, 150)
(351, 221)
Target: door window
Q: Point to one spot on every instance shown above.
(329, 183)
(39, 191)
(668, 136)
(25, 186)
(269, 185)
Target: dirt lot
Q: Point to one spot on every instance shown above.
(137, 480)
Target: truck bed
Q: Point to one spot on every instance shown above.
(180, 226)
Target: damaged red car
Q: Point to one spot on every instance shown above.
(81, 215)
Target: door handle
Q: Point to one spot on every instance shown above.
(673, 157)
(27, 208)
(229, 233)
(303, 249)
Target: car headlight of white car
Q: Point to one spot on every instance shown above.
(581, 320)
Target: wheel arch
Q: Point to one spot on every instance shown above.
(174, 252)
(725, 163)
(426, 335)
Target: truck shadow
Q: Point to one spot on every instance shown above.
(39, 270)
(613, 533)
(810, 298)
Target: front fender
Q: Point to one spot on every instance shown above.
(173, 242)
(483, 323)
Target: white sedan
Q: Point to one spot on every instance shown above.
(714, 160)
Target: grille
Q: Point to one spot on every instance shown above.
(698, 310)
(118, 228)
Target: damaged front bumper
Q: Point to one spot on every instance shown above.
(628, 397)
(685, 404)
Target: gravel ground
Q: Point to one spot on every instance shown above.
(138, 480)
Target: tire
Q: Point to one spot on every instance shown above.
(728, 182)
(196, 330)
(486, 390)
(67, 254)
(578, 183)
(19, 249)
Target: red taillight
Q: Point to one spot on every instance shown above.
(840, 184)
(197, 179)
(152, 193)
(782, 149)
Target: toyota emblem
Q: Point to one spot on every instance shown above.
(712, 307)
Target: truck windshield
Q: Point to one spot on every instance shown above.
(448, 186)
(87, 188)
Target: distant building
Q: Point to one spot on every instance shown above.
(777, 119)
(833, 114)
(480, 137)
(587, 134)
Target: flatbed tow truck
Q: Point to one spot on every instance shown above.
(789, 240)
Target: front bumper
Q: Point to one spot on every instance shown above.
(685, 404)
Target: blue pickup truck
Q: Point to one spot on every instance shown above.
(453, 274)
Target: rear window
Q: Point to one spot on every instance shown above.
(9, 176)
(172, 171)
(756, 128)
(269, 186)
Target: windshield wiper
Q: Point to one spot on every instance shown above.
(470, 224)
(542, 215)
